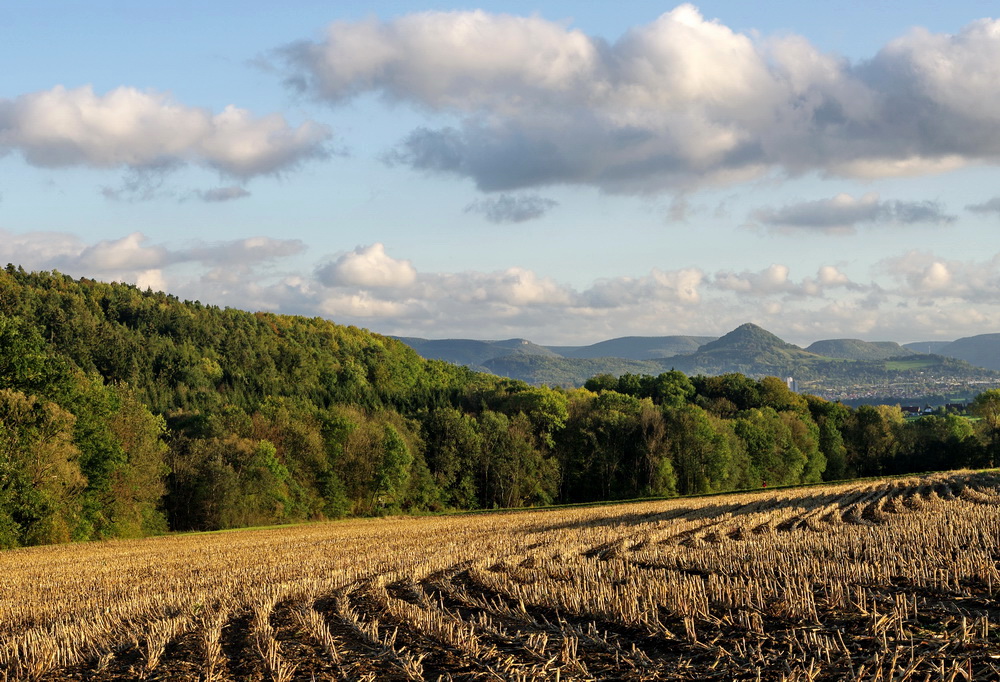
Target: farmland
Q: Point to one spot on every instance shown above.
(887, 579)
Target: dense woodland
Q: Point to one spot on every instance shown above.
(126, 413)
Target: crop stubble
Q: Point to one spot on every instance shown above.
(891, 580)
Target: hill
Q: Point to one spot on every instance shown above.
(856, 349)
(472, 353)
(982, 350)
(752, 350)
(635, 347)
(875, 372)
(126, 413)
(566, 372)
(926, 347)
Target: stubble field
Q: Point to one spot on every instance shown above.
(890, 580)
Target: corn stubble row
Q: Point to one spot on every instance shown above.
(877, 580)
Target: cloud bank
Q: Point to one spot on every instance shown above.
(675, 103)
(914, 296)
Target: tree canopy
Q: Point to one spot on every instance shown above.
(126, 413)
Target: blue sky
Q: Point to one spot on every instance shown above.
(552, 171)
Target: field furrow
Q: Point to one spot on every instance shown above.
(893, 579)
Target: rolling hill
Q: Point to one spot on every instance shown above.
(472, 353)
(635, 347)
(926, 347)
(982, 350)
(751, 350)
(842, 369)
(856, 349)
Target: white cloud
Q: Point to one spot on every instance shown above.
(775, 280)
(679, 286)
(771, 280)
(926, 276)
(120, 254)
(340, 305)
(132, 259)
(514, 286)
(368, 266)
(130, 128)
(460, 60)
(679, 101)
(831, 276)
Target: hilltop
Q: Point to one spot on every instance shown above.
(748, 349)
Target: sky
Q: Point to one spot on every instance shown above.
(564, 172)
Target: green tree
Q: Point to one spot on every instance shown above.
(937, 442)
(393, 470)
(871, 438)
(40, 477)
(986, 406)
(453, 454)
(514, 471)
(831, 418)
(775, 456)
(701, 454)
(135, 491)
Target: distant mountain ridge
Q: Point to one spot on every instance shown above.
(635, 347)
(834, 368)
(472, 353)
(982, 350)
(856, 349)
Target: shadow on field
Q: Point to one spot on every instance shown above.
(691, 513)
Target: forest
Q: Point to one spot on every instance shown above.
(126, 413)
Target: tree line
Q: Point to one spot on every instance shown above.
(126, 413)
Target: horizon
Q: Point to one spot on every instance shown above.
(801, 344)
(536, 170)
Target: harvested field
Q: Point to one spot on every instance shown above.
(875, 580)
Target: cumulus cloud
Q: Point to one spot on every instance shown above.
(775, 280)
(367, 266)
(142, 130)
(514, 286)
(843, 213)
(508, 208)
(677, 102)
(771, 280)
(924, 275)
(129, 252)
(133, 259)
(679, 286)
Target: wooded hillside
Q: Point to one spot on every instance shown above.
(127, 413)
